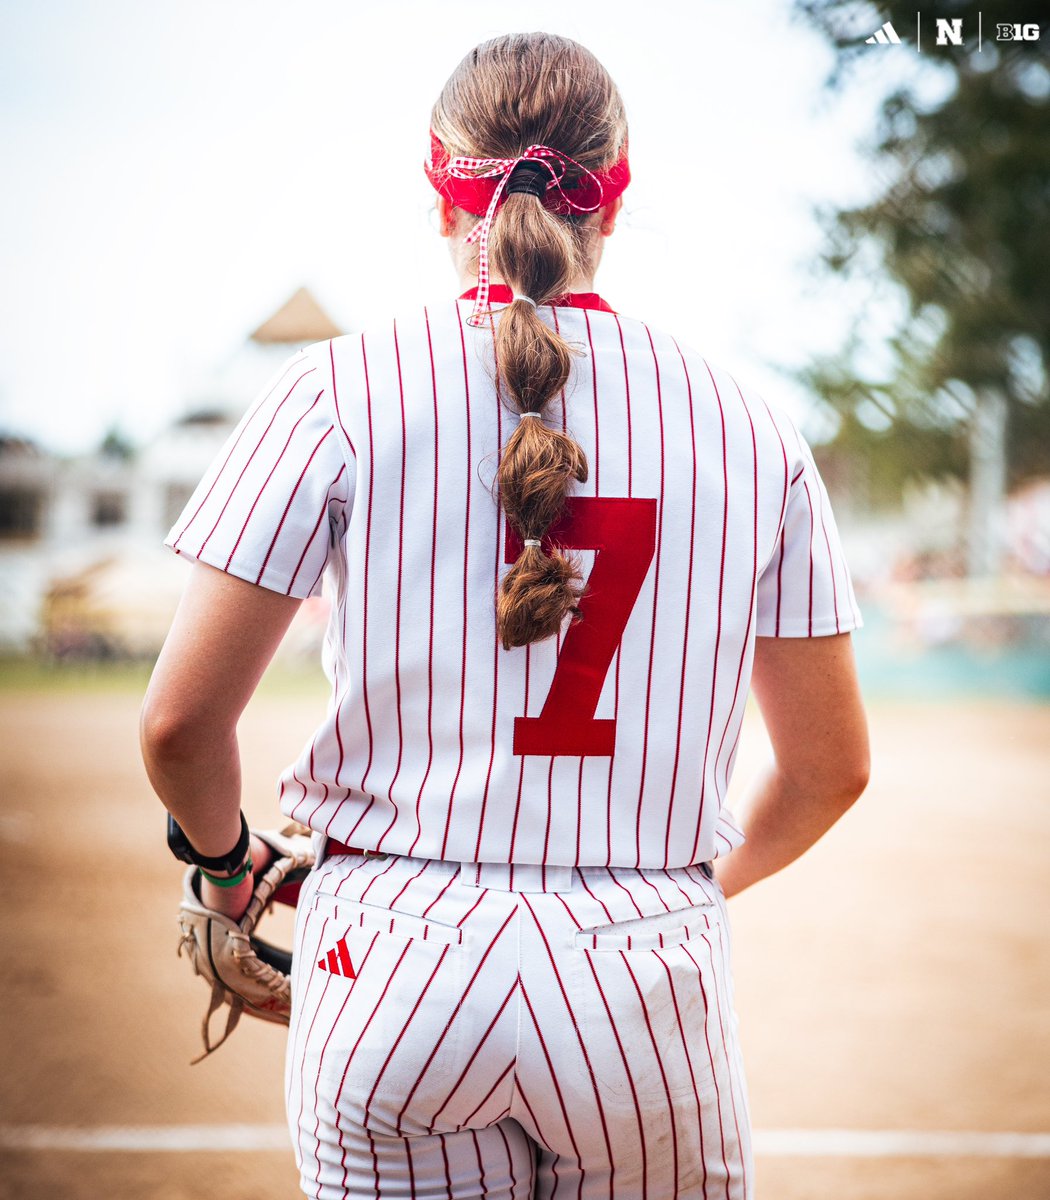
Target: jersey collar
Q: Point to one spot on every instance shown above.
(499, 293)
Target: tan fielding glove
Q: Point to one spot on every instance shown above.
(244, 972)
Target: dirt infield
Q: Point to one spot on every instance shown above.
(895, 979)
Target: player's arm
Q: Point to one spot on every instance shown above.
(810, 701)
(224, 635)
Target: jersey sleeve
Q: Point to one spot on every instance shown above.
(267, 507)
(806, 589)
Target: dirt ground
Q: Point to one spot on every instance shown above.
(895, 979)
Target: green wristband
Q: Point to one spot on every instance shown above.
(232, 880)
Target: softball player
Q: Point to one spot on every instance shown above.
(560, 548)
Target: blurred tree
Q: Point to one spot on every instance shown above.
(116, 444)
(961, 223)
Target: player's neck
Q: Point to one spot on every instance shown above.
(469, 280)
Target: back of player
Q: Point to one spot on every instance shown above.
(552, 536)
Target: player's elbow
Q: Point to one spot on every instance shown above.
(171, 733)
(854, 778)
(833, 784)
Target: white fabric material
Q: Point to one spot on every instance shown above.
(371, 458)
(495, 1039)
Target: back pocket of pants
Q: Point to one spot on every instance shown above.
(650, 933)
(353, 913)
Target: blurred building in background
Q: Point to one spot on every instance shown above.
(83, 572)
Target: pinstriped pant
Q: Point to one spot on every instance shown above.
(479, 1030)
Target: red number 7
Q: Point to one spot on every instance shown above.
(623, 531)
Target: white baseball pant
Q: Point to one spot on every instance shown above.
(508, 1032)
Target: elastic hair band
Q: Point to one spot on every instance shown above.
(530, 414)
(232, 880)
(532, 541)
(527, 299)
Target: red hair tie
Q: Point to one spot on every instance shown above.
(477, 184)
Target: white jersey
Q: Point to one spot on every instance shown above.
(371, 458)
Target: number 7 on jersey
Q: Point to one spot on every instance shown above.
(623, 532)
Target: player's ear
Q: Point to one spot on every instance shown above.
(446, 216)
(608, 217)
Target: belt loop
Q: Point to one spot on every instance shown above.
(470, 874)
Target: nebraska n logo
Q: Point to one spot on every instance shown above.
(884, 36)
(337, 961)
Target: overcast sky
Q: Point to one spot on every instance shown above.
(175, 171)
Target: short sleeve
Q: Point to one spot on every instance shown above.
(805, 589)
(267, 507)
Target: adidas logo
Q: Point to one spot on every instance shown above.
(337, 961)
(884, 36)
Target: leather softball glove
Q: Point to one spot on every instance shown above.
(244, 972)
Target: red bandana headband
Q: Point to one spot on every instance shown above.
(476, 185)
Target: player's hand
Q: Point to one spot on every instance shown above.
(233, 901)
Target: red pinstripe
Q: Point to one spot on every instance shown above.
(364, 615)
(375, 878)
(689, 1063)
(400, 582)
(812, 535)
(466, 593)
(448, 1024)
(521, 762)
(473, 1057)
(688, 606)
(510, 1164)
(433, 569)
(237, 442)
(310, 539)
(489, 1094)
(247, 464)
(448, 1170)
(656, 593)
(596, 899)
(404, 1029)
(718, 629)
(746, 641)
(448, 883)
(780, 586)
(295, 489)
(659, 1063)
(626, 892)
(392, 903)
(619, 652)
(364, 594)
(711, 1059)
(720, 999)
(831, 567)
(495, 577)
(320, 1057)
(360, 1038)
(313, 1021)
(597, 492)
(481, 1164)
(545, 1141)
(576, 1028)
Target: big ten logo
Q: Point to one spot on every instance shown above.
(1017, 33)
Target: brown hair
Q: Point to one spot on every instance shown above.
(507, 94)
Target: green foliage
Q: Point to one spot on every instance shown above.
(961, 225)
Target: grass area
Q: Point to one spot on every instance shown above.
(37, 675)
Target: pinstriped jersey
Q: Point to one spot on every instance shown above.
(369, 461)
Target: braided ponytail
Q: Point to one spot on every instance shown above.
(507, 94)
(538, 255)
